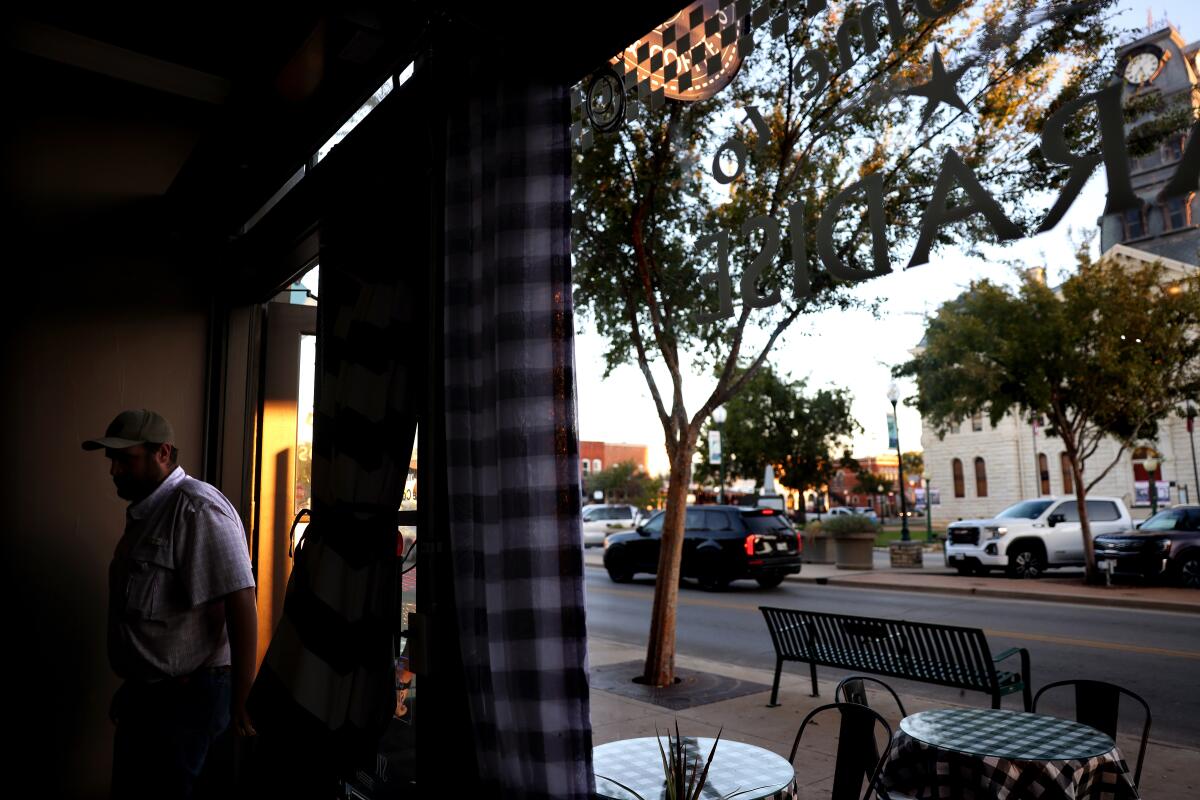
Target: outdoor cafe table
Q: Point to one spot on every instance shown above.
(997, 753)
(637, 763)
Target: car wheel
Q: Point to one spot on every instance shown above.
(1189, 570)
(1026, 562)
(769, 581)
(712, 581)
(618, 572)
(964, 569)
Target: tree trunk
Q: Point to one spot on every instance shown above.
(660, 650)
(1085, 527)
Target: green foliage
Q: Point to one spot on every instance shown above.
(870, 482)
(774, 421)
(1108, 354)
(683, 778)
(848, 523)
(625, 482)
(914, 464)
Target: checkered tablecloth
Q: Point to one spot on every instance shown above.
(736, 766)
(1000, 754)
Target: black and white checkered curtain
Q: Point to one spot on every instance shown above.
(512, 442)
(326, 691)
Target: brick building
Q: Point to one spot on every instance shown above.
(595, 456)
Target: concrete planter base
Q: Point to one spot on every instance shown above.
(907, 554)
(855, 550)
(818, 548)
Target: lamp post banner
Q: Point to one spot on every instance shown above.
(893, 436)
(714, 447)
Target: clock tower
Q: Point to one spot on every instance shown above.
(1161, 75)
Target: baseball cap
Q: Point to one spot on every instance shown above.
(133, 427)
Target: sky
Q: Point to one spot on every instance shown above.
(853, 349)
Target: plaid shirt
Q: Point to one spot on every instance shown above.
(184, 547)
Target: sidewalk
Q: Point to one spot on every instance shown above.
(1168, 772)
(936, 578)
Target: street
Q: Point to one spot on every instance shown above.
(1153, 653)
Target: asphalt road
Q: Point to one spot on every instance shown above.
(1154, 653)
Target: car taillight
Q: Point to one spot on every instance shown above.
(750, 540)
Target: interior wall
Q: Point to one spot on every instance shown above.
(84, 342)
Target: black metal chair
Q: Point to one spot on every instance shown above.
(1097, 704)
(852, 690)
(858, 752)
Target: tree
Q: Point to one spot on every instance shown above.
(914, 463)
(645, 211)
(773, 421)
(625, 482)
(1109, 354)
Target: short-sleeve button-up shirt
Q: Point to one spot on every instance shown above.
(184, 549)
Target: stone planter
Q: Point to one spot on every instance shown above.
(818, 548)
(906, 554)
(855, 550)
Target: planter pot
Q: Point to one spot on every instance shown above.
(855, 550)
(818, 548)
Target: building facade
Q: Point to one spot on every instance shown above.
(595, 456)
(978, 470)
(1161, 73)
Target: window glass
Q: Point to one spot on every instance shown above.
(977, 421)
(957, 468)
(589, 514)
(655, 524)
(981, 487)
(1068, 476)
(1163, 520)
(695, 519)
(1044, 472)
(717, 521)
(1102, 511)
(623, 512)
(1069, 510)
(760, 524)
(1175, 213)
(1030, 509)
(1135, 224)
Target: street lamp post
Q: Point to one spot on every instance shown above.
(718, 416)
(1191, 426)
(928, 510)
(1151, 464)
(894, 396)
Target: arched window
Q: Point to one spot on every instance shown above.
(1068, 476)
(959, 489)
(1044, 472)
(595, 465)
(585, 465)
(980, 478)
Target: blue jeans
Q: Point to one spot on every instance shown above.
(164, 730)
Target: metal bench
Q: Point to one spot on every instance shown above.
(919, 651)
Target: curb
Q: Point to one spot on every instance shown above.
(856, 580)
(1058, 597)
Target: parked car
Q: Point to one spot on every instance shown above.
(602, 519)
(721, 544)
(1032, 536)
(1166, 546)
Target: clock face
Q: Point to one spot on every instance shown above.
(1141, 68)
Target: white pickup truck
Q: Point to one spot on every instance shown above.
(1031, 536)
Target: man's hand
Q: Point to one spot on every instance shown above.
(242, 621)
(241, 723)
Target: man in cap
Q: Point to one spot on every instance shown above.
(182, 622)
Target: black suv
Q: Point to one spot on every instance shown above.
(720, 544)
(1165, 546)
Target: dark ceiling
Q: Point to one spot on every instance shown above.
(190, 117)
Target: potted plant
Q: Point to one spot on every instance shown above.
(854, 541)
(818, 548)
(683, 778)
